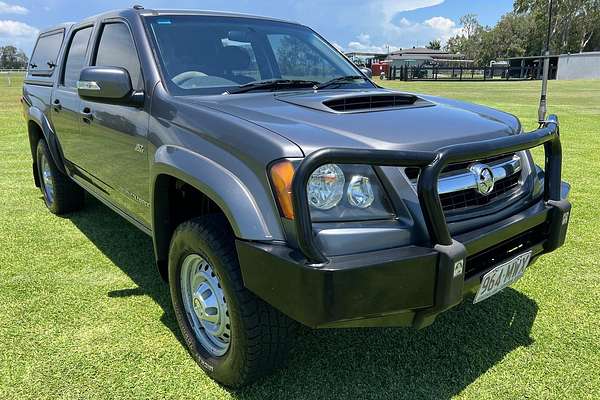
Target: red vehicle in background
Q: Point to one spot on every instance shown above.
(380, 69)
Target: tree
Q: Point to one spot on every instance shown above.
(575, 24)
(470, 25)
(12, 58)
(434, 45)
(511, 37)
(469, 41)
(522, 32)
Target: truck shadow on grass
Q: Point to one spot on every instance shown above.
(435, 363)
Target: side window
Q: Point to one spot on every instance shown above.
(45, 54)
(75, 59)
(116, 49)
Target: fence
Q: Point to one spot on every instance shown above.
(436, 73)
(10, 77)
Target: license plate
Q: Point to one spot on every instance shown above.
(502, 276)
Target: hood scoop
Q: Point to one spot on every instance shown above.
(356, 101)
(370, 102)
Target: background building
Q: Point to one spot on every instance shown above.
(579, 66)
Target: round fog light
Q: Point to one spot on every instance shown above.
(360, 192)
(325, 187)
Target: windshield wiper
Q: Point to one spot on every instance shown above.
(272, 84)
(340, 80)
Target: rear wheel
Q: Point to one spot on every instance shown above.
(232, 334)
(61, 194)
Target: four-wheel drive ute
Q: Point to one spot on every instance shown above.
(281, 185)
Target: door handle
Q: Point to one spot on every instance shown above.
(87, 115)
(56, 105)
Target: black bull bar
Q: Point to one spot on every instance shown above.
(431, 164)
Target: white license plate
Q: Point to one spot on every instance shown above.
(502, 276)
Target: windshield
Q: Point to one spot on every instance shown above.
(210, 54)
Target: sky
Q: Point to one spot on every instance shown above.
(351, 25)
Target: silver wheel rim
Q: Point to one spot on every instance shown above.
(47, 180)
(205, 305)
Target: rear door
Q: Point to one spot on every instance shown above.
(117, 131)
(66, 105)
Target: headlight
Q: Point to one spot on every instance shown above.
(360, 192)
(335, 193)
(325, 187)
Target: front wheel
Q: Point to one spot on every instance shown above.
(233, 335)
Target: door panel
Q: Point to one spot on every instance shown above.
(117, 154)
(116, 133)
(65, 101)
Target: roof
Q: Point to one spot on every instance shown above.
(410, 57)
(419, 50)
(364, 53)
(155, 12)
(64, 25)
(208, 13)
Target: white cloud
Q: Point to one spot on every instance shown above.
(16, 29)
(6, 8)
(440, 28)
(389, 8)
(364, 38)
(440, 23)
(363, 43)
(380, 26)
(17, 34)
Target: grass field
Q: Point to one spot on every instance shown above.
(85, 315)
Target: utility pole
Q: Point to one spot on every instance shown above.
(543, 102)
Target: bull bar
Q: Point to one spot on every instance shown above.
(431, 164)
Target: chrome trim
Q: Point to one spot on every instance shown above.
(464, 180)
(88, 85)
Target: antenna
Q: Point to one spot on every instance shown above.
(543, 103)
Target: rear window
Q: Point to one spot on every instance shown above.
(44, 57)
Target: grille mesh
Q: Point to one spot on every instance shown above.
(470, 198)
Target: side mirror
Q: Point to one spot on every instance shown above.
(367, 72)
(108, 84)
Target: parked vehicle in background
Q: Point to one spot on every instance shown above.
(279, 184)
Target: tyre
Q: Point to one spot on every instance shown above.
(234, 336)
(61, 194)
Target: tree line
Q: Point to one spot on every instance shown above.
(12, 58)
(575, 28)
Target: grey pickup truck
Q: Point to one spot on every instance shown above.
(280, 184)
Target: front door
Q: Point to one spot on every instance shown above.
(119, 132)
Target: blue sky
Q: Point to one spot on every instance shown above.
(368, 25)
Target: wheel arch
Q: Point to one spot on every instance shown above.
(38, 127)
(219, 190)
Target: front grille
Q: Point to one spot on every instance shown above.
(470, 198)
(462, 200)
(503, 251)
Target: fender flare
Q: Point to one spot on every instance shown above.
(37, 116)
(251, 214)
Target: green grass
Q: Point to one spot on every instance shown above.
(85, 315)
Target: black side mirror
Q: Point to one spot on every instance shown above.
(108, 84)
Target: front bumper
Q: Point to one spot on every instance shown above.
(408, 285)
